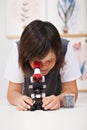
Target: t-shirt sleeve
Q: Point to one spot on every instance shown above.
(71, 69)
(13, 72)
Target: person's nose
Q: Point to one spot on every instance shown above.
(43, 66)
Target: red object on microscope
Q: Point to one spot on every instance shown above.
(37, 76)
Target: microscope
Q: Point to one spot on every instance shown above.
(37, 87)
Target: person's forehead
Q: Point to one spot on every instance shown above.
(49, 56)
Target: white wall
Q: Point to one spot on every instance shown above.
(5, 46)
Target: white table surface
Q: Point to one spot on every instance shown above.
(62, 119)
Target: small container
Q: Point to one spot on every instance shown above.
(68, 100)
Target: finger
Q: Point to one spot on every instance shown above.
(25, 105)
(55, 107)
(21, 108)
(46, 101)
(22, 105)
(28, 100)
(52, 106)
(49, 105)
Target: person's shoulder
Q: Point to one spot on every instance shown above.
(64, 41)
(70, 51)
(70, 47)
(14, 49)
(64, 45)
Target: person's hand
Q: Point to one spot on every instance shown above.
(51, 102)
(24, 103)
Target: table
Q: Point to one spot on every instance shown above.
(62, 119)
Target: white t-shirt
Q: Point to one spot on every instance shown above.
(69, 72)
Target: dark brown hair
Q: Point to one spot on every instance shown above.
(36, 40)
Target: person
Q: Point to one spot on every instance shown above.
(41, 41)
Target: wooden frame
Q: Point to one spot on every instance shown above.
(62, 35)
(74, 35)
